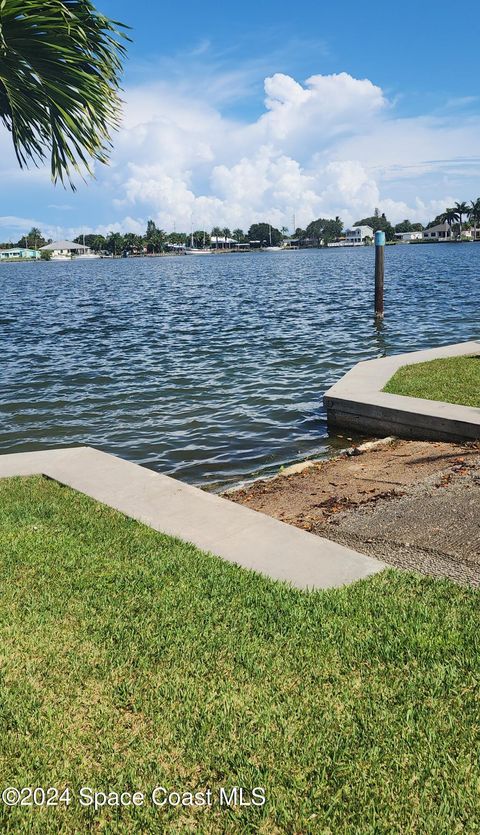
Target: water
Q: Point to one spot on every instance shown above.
(212, 369)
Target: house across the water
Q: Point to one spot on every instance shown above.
(17, 252)
(222, 242)
(406, 237)
(62, 250)
(357, 235)
(440, 232)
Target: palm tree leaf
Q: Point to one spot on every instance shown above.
(60, 70)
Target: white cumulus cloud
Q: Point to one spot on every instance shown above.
(332, 145)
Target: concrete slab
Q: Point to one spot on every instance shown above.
(230, 531)
(357, 401)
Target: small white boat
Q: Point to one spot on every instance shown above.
(272, 248)
(196, 250)
(86, 256)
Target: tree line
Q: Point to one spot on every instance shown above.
(319, 232)
(454, 216)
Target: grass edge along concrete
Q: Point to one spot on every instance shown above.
(449, 380)
(357, 401)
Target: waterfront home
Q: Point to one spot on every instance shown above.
(17, 252)
(222, 242)
(406, 237)
(357, 235)
(440, 232)
(61, 250)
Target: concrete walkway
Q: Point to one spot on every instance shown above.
(232, 532)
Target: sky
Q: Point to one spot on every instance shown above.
(268, 111)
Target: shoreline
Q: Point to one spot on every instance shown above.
(244, 251)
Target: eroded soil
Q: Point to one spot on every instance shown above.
(412, 504)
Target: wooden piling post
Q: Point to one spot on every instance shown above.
(379, 273)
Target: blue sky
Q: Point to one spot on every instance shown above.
(267, 110)
(424, 52)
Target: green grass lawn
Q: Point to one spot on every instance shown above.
(131, 660)
(452, 380)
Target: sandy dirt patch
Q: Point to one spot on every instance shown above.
(413, 504)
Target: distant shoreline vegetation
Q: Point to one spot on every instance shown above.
(462, 222)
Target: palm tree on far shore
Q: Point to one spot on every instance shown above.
(474, 215)
(450, 216)
(217, 234)
(461, 210)
(34, 234)
(60, 68)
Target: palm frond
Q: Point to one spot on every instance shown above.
(60, 69)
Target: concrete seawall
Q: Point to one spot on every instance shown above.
(358, 403)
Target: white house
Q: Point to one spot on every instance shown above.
(222, 242)
(17, 252)
(357, 234)
(406, 237)
(440, 232)
(65, 249)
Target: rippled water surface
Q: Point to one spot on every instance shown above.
(212, 369)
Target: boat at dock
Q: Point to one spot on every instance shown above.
(196, 250)
(271, 247)
(86, 256)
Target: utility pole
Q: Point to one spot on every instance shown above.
(379, 273)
